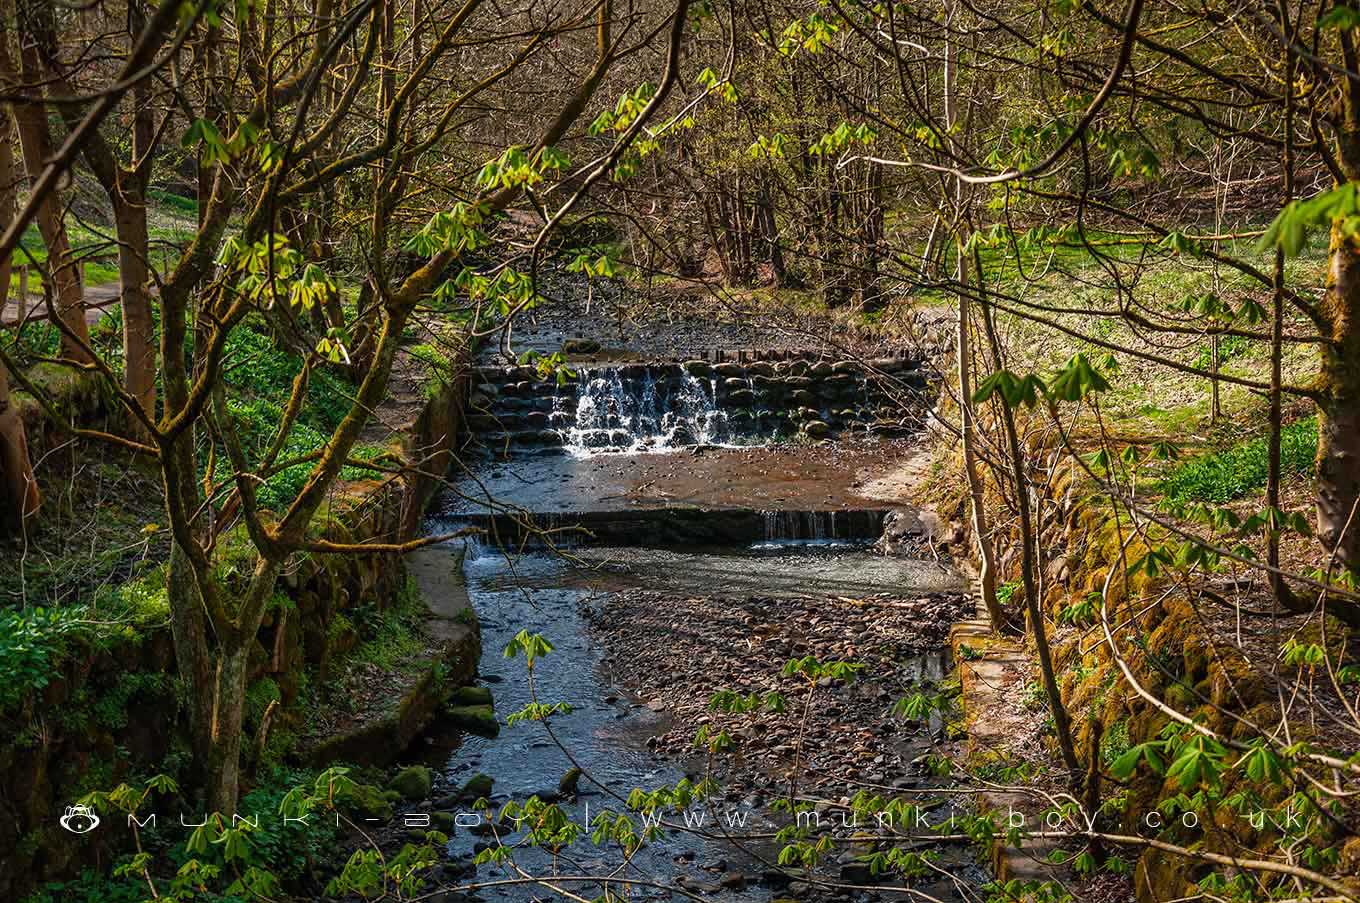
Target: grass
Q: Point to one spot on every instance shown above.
(171, 225)
(1225, 475)
(260, 375)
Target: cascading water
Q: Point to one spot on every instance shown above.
(615, 410)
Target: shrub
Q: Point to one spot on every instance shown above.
(31, 642)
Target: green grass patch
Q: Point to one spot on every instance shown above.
(394, 635)
(1225, 475)
(186, 207)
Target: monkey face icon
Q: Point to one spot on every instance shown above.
(79, 820)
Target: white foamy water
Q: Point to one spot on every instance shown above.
(659, 410)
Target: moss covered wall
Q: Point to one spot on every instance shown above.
(1164, 641)
(116, 709)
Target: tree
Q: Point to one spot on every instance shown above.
(19, 496)
(34, 23)
(299, 125)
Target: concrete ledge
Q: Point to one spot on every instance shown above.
(992, 670)
(451, 623)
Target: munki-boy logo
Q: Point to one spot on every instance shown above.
(79, 820)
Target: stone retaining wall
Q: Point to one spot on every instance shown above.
(113, 707)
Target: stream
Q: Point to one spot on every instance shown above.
(754, 553)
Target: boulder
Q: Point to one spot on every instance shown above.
(413, 782)
(471, 696)
(477, 787)
(475, 719)
(580, 346)
(364, 802)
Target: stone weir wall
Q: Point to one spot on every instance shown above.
(113, 708)
(675, 526)
(815, 397)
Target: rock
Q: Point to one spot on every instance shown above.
(413, 782)
(820, 370)
(365, 803)
(904, 529)
(681, 435)
(471, 696)
(775, 878)
(743, 397)
(697, 887)
(856, 873)
(392, 796)
(443, 822)
(475, 719)
(580, 346)
(567, 786)
(734, 881)
(729, 369)
(817, 429)
(478, 786)
(698, 368)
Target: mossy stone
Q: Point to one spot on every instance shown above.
(364, 802)
(413, 782)
(475, 719)
(478, 786)
(471, 696)
(567, 786)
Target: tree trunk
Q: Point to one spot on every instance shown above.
(139, 330)
(19, 497)
(224, 738)
(188, 627)
(981, 532)
(35, 139)
(1338, 462)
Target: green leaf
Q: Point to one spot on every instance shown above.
(1340, 18)
(1076, 380)
(1015, 390)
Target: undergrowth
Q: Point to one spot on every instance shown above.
(1225, 475)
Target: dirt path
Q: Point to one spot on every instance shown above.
(97, 299)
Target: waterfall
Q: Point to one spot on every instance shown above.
(617, 409)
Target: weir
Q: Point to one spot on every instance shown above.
(590, 408)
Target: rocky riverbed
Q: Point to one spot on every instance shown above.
(678, 651)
